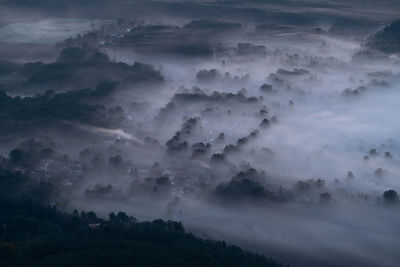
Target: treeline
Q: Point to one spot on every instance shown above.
(388, 39)
(32, 233)
(71, 106)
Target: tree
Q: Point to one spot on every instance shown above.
(325, 198)
(390, 196)
(71, 54)
(16, 156)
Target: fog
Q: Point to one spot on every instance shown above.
(278, 134)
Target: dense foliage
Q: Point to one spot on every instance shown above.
(249, 185)
(75, 68)
(71, 105)
(33, 234)
(387, 40)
